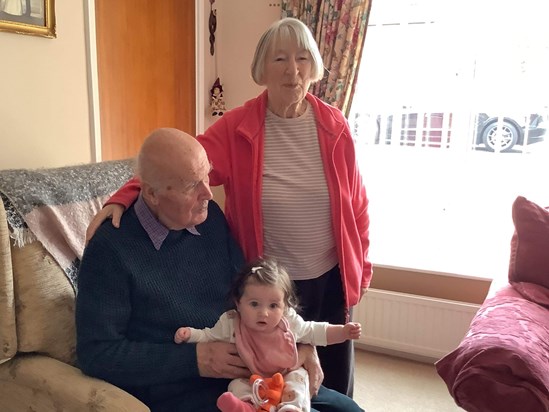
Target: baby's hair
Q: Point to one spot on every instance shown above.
(265, 272)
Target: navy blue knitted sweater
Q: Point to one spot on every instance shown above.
(132, 298)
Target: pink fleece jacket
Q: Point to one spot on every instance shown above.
(235, 147)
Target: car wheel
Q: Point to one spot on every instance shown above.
(502, 142)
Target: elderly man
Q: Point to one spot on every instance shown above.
(170, 263)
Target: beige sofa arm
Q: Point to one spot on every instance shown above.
(35, 382)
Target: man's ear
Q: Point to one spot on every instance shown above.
(149, 193)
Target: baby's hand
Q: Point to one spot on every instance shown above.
(182, 335)
(352, 330)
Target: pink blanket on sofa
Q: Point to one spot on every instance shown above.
(502, 364)
(55, 206)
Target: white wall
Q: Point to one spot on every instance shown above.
(240, 23)
(44, 105)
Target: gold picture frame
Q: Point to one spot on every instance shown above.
(34, 17)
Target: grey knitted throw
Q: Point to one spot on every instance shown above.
(55, 205)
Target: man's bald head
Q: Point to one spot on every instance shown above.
(173, 168)
(167, 156)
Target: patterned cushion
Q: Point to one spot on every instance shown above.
(8, 336)
(501, 365)
(44, 304)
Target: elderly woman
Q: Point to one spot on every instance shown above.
(293, 189)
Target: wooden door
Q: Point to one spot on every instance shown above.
(146, 70)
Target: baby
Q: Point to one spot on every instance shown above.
(266, 328)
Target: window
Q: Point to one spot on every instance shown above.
(450, 117)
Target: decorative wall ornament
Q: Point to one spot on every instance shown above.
(217, 102)
(34, 17)
(212, 25)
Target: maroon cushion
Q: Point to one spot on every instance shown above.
(529, 260)
(534, 293)
(501, 365)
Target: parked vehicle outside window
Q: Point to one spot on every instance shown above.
(491, 132)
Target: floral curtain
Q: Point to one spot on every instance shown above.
(339, 27)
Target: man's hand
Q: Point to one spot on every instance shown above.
(113, 210)
(308, 358)
(220, 360)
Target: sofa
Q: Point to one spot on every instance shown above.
(43, 217)
(502, 363)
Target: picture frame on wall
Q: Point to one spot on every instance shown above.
(33, 17)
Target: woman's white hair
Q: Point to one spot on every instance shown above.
(281, 31)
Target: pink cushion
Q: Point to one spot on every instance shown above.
(501, 365)
(534, 293)
(529, 260)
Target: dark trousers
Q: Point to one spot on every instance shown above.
(329, 400)
(322, 300)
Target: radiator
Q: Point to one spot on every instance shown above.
(413, 325)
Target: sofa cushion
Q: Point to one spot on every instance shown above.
(40, 383)
(8, 332)
(534, 293)
(44, 304)
(529, 261)
(501, 364)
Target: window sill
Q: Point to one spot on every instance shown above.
(449, 272)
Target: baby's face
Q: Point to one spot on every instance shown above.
(261, 307)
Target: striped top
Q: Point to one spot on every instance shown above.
(297, 222)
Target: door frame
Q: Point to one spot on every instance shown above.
(93, 83)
